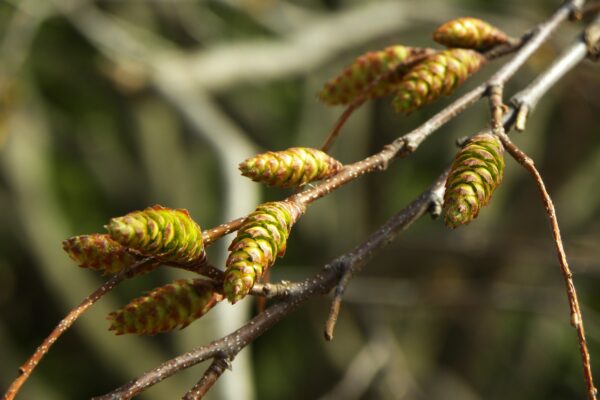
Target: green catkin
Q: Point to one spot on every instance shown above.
(437, 75)
(261, 238)
(475, 173)
(355, 78)
(98, 252)
(166, 308)
(169, 235)
(469, 33)
(293, 167)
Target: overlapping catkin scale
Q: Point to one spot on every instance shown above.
(475, 173)
(98, 252)
(293, 167)
(469, 33)
(437, 75)
(261, 238)
(166, 308)
(356, 77)
(169, 235)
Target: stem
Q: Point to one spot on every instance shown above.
(576, 316)
(26, 369)
(214, 372)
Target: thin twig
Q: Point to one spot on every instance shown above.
(576, 317)
(209, 236)
(216, 369)
(27, 368)
(527, 99)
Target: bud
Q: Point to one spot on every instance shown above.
(169, 235)
(475, 173)
(166, 308)
(356, 77)
(98, 252)
(261, 238)
(290, 168)
(469, 33)
(439, 74)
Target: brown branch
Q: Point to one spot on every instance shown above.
(209, 236)
(27, 368)
(216, 369)
(576, 317)
(526, 100)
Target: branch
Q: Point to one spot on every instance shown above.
(214, 372)
(526, 100)
(27, 368)
(576, 317)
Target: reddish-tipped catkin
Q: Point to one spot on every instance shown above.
(437, 75)
(98, 252)
(356, 77)
(261, 238)
(469, 33)
(475, 173)
(290, 168)
(169, 235)
(166, 308)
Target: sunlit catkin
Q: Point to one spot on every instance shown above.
(475, 173)
(260, 240)
(293, 167)
(169, 235)
(437, 75)
(469, 33)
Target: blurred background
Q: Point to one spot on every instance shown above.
(111, 106)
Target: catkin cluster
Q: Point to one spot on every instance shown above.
(356, 78)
